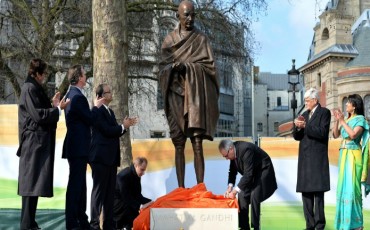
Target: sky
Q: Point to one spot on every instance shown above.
(286, 33)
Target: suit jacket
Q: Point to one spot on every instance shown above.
(256, 168)
(313, 161)
(79, 118)
(128, 197)
(105, 146)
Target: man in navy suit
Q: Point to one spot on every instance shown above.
(313, 179)
(104, 159)
(257, 183)
(76, 147)
(128, 200)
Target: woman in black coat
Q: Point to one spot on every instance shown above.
(37, 122)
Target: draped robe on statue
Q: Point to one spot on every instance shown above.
(190, 96)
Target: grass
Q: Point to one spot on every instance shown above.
(289, 216)
(10, 200)
(274, 216)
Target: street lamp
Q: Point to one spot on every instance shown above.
(293, 79)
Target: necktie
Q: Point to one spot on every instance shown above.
(310, 115)
(109, 111)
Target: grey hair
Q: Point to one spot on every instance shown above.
(140, 161)
(225, 144)
(312, 93)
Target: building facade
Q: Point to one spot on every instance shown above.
(339, 61)
(272, 91)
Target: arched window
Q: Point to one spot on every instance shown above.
(325, 34)
(345, 99)
(367, 107)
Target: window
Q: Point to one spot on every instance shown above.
(160, 103)
(157, 134)
(325, 34)
(367, 107)
(259, 127)
(318, 80)
(276, 126)
(344, 106)
(226, 104)
(278, 101)
(2, 87)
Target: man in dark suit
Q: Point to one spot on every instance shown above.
(104, 159)
(76, 147)
(128, 199)
(312, 130)
(258, 180)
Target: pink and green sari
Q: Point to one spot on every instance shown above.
(353, 169)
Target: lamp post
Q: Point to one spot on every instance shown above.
(293, 79)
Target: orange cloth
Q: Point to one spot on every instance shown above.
(195, 197)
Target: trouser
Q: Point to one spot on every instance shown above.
(28, 213)
(244, 200)
(314, 201)
(127, 218)
(76, 194)
(102, 195)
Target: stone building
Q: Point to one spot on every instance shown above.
(273, 96)
(339, 59)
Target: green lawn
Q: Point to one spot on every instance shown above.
(10, 199)
(290, 217)
(274, 216)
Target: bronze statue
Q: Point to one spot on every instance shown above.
(190, 89)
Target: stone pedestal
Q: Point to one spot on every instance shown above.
(193, 218)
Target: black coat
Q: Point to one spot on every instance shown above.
(37, 122)
(313, 161)
(105, 146)
(79, 119)
(256, 168)
(128, 197)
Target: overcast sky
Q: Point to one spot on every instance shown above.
(286, 33)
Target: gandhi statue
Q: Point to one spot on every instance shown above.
(190, 89)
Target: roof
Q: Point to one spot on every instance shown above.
(361, 40)
(275, 81)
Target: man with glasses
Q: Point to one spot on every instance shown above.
(257, 182)
(104, 158)
(313, 179)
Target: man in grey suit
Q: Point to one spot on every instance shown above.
(312, 130)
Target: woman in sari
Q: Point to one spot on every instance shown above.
(352, 164)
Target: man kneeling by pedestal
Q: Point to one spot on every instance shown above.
(258, 180)
(128, 199)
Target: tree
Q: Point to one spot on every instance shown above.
(110, 59)
(42, 29)
(61, 33)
